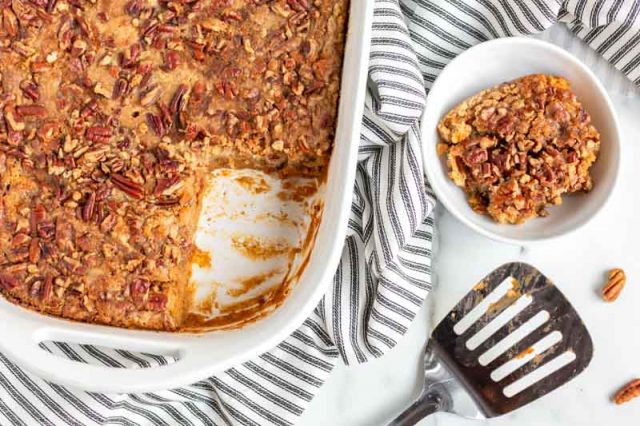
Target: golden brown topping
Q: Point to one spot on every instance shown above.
(518, 147)
(111, 112)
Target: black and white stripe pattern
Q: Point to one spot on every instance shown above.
(384, 274)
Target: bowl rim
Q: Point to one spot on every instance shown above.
(525, 42)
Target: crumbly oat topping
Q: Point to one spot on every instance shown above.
(518, 147)
(111, 111)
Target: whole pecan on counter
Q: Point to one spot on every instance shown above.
(615, 284)
(628, 392)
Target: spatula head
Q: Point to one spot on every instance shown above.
(514, 327)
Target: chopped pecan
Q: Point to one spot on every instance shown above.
(162, 184)
(171, 60)
(298, 5)
(157, 302)
(151, 96)
(51, 5)
(139, 288)
(34, 250)
(30, 90)
(10, 22)
(134, 7)
(46, 230)
(89, 109)
(628, 392)
(615, 283)
(19, 239)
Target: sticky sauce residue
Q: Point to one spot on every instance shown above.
(237, 315)
(260, 249)
(298, 192)
(248, 284)
(201, 258)
(524, 353)
(208, 303)
(253, 184)
(512, 294)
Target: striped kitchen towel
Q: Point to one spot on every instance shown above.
(384, 274)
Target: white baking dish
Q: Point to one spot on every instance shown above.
(200, 356)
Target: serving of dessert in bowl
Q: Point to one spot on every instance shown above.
(523, 148)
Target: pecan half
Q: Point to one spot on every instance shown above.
(89, 207)
(177, 101)
(119, 88)
(34, 250)
(31, 111)
(156, 124)
(614, 285)
(8, 282)
(129, 187)
(98, 133)
(628, 392)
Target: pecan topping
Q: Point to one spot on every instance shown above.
(129, 187)
(628, 392)
(112, 114)
(615, 284)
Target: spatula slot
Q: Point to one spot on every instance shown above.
(510, 340)
(485, 304)
(514, 309)
(539, 374)
(525, 356)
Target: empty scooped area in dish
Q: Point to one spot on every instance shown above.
(254, 233)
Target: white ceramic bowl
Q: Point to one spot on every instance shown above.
(492, 63)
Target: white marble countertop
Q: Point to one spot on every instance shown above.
(372, 393)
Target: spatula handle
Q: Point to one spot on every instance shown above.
(425, 405)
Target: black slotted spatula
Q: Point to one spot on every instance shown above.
(511, 340)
